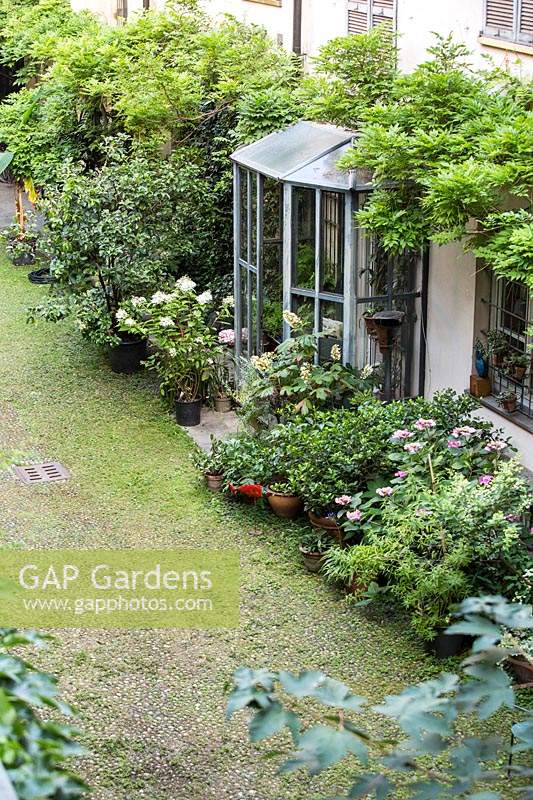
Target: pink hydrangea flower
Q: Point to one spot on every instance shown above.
(512, 517)
(343, 500)
(401, 473)
(227, 336)
(485, 480)
(465, 430)
(413, 447)
(423, 424)
(495, 446)
(385, 491)
(402, 434)
(354, 516)
(453, 444)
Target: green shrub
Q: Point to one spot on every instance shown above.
(35, 752)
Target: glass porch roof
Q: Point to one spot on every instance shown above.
(305, 153)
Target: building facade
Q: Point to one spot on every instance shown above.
(499, 29)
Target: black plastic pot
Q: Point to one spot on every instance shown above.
(188, 413)
(127, 356)
(24, 260)
(446, 645)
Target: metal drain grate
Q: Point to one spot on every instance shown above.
(46, 472)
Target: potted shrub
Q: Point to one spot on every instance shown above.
(21, 244)
(115, 233)
(508, 400)
(212, 465)
(313, 547)
(283, 501)
(516, 365)
(219, 387)
(498, 346)
(354, 567)
(186, 347)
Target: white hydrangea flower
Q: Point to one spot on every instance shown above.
(166, 322)
(228, 301)
(138, 301)
(292, 319)
(336, 353)
(160, 297)
(185, 284)
(121, 314)
(204, 298)
(129, 321)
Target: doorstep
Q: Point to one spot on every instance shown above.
(213, 423)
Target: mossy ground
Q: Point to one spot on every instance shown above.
(151, 703)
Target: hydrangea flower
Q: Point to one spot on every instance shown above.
(138, 301)
(185, 284)
(402, 434)
(401, 473)
(305, 371)
(343, 500)
(228, 301)
(129, 321)
(465, 430)
(453, 444)
(336, 353)
(166, 322)
(495, 446)
(413, 447)
(121, 314)
(485, 480)
(160, 297)
(354, 516)
(423, 424)
(292, 319)
(385, 491)
(205, 298)
(226, 336)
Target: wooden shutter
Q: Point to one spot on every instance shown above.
(357, 17)
(525, 27)
(499, 17)
(383, 13)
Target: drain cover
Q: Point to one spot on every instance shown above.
(46, 472)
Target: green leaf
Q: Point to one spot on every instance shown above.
(320, 747)
(271, 720)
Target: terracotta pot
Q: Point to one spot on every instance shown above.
(223, 404)
(328, 524)
(214, 482)
(509, 405)
(521, 669)
(519, 373)
(312, 561)
(288, 506)
(497, 359)
(370, 325)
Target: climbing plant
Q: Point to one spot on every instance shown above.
(450, 149)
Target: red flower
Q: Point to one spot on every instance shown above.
(250, 489)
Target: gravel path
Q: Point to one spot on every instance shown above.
(152, 703)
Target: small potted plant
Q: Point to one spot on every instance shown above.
(498, 346)
(283, 501)
(508, 400)
(212, 465)
(21, 244)
(220, 389)
(370, 324)
(516, 365)
(313, 548)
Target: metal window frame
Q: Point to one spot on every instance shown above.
(499, 381)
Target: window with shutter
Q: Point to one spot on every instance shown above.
(365, 15)
(509, 19)
(525, 31)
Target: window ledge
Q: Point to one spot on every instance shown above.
(517, 418)
(266, 2)
(505, 44)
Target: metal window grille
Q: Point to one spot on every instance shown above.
(362, 16)
(509, 19)
(511, 312)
